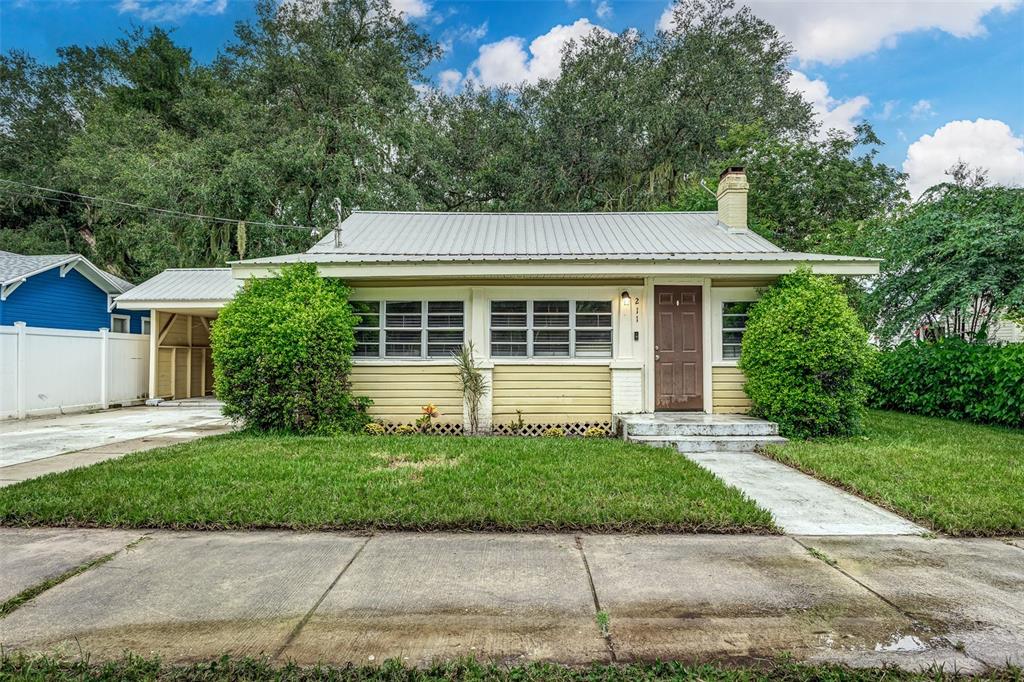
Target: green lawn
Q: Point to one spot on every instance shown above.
(956, 477)
(390, 482)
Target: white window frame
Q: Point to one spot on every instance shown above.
(424, 329)
(144, 324)
(719, 297)
(127, 323)
(531, 328)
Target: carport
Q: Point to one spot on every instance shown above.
(183, 304)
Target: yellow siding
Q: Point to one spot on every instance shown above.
(164, 386)
(177, 335)
(552, 394)
(727, 396)
(399, 393)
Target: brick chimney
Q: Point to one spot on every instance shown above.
(732, 198)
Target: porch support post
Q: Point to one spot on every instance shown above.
(706, 356)
(154, 352)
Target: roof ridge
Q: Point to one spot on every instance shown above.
(518, 213)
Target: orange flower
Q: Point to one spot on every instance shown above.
(431, 410)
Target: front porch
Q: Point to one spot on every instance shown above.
(698, 431)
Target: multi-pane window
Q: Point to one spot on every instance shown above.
(734, 323)
(557, 329)
(367, 331)
(409, 329)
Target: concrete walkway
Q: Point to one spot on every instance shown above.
(342, 598)
(42, 445)
(801, 504)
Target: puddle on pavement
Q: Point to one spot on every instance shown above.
(902, 644)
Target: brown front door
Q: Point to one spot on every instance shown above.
(678, 349)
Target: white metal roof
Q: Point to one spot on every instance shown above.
(15, 267)
(394, 236)
(199, 285)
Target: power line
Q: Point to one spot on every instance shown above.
(162, 211)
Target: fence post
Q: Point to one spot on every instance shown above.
(104, 366)
(19, 358)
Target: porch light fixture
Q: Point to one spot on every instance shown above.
(625, 298)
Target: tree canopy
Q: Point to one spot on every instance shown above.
(318, 100)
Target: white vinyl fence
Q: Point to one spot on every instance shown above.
(47, 371)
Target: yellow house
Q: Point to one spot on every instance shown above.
(575, 317)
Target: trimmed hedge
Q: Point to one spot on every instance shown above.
(806, 358)
(954, 379)
(282, 353)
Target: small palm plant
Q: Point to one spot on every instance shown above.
(474, 384)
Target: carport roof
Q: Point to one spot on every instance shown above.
(177, 285)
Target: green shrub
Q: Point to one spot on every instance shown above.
(374, 429)
(806, 357)
(955, 379)
(595, 432)
(406, 430)
(554, 432)
(282, 354)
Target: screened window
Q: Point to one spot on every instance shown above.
(409, 329)
(734, 323)
(551, 329)
(367, 331)
(119, 324)
(145, 325)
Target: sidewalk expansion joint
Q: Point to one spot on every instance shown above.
(309, 614)
(906, 614)
(599, 614)
(28, 594)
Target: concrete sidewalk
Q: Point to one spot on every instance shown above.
(801, 504)
(43, 445)
(340, 598)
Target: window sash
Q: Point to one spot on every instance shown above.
(551, 328)
(401, 330)
(734, 324)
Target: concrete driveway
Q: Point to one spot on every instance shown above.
(339, 598)
(40, 445)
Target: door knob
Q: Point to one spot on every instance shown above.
(657, 357)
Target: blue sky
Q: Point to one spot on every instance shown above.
(938, 80)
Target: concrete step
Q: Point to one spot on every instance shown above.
(709, 443)
(639, 426)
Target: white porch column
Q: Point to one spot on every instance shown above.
(154, 355)
(20, 355)
(706, 356)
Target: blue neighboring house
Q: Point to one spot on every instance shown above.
(64, 292)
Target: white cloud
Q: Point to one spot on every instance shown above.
(984, 142)
(834, 32)
(603, 9)
(507, 62)
(413, 9)
(888, 108)
(170, 10)
(921, 109)
(449, 80)
(830, 112)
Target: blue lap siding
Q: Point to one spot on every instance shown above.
(69, 302)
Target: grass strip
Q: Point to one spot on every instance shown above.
(133, 668)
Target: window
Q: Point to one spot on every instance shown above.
(734, 323)
(367, 330)
(408, 329)
(120, 324)
(145, 325)
(551, 329)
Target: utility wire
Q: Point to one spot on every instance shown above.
(162, 211)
